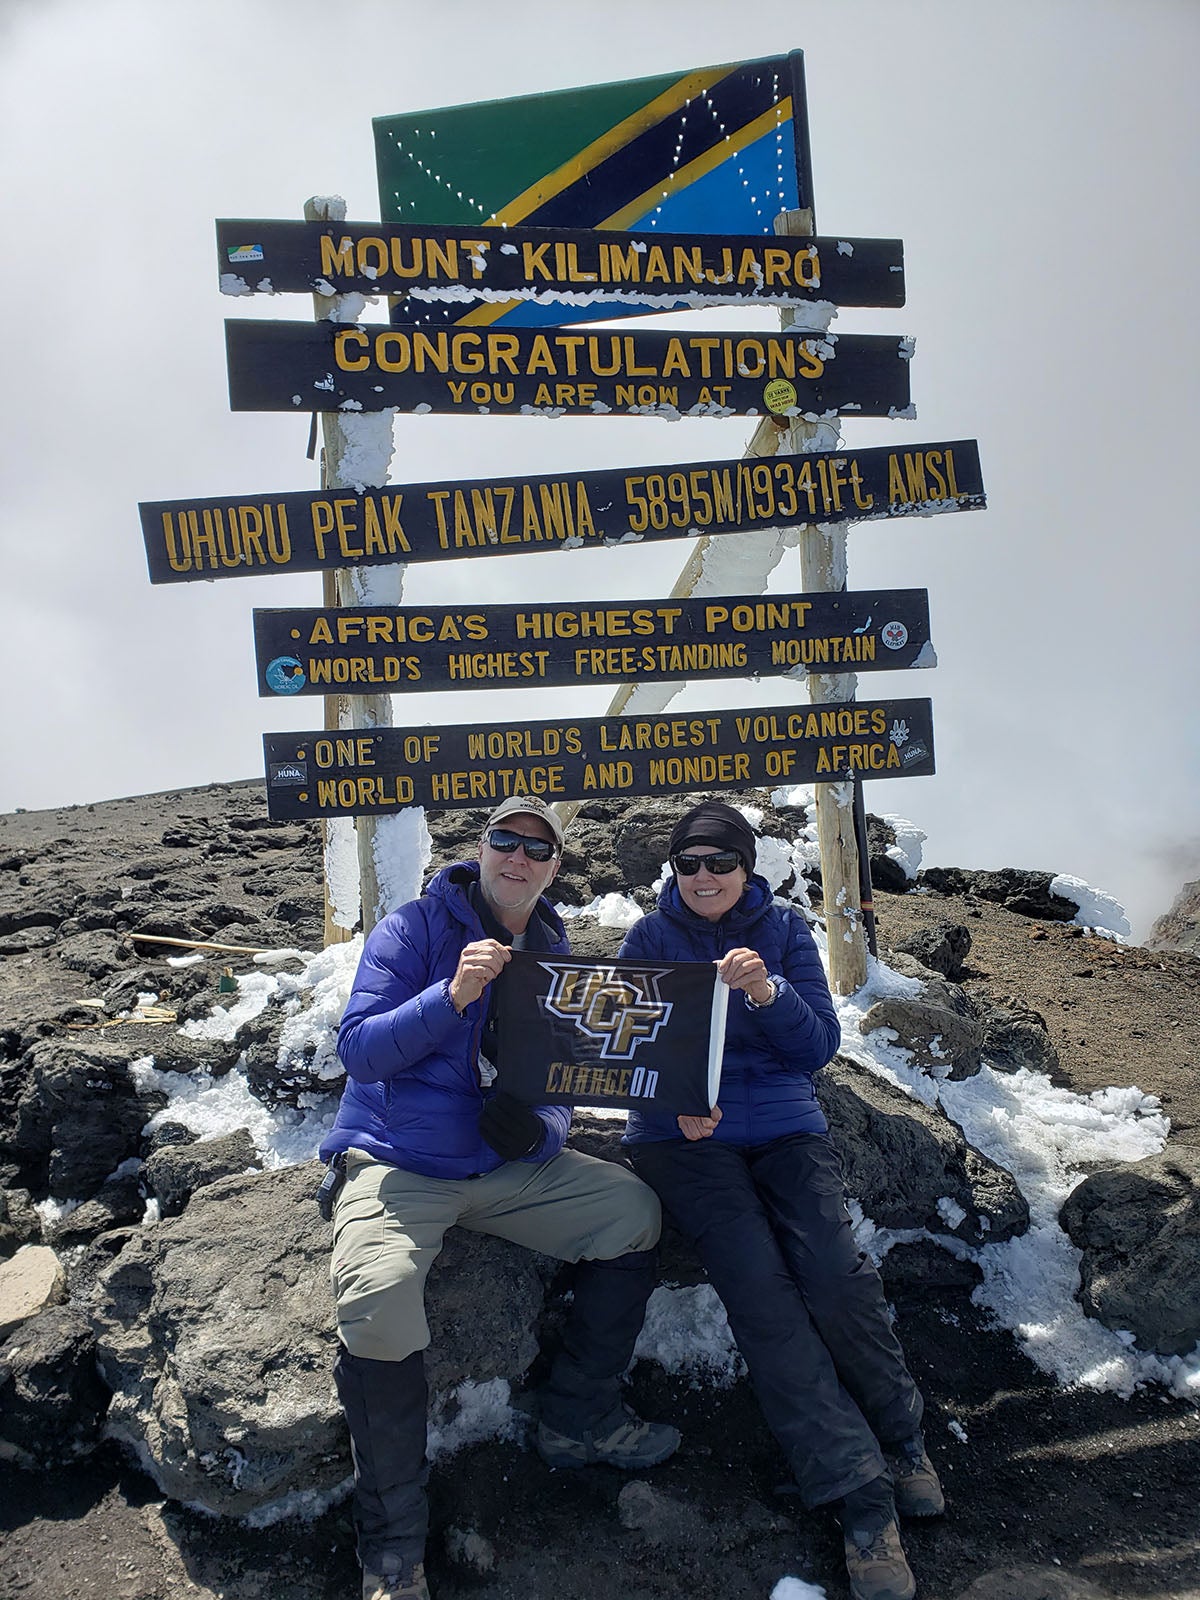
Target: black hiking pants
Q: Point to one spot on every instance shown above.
(807, 1309)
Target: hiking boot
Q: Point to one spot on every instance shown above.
(914, 1481)
(408, 1585)
(621, 1439)
(876, 1565)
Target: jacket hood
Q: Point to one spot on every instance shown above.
(757, 899)
(452, 884)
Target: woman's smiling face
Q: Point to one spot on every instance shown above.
(706, 893)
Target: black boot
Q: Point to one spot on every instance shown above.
(875, 1561)
(582, 1418)
(385, 1403)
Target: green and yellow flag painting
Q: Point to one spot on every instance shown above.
(720, 149)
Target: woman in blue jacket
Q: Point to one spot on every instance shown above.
(756, 1186)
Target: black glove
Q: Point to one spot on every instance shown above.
(512, 1128)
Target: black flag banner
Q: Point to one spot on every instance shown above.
(625, 1034)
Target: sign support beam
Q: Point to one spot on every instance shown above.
(823, 566)
(339, 588)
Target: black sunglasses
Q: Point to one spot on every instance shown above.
(507, 842)
(722, 862)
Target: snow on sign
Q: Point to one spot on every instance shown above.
(360, 773)
(314, 530)
(465, 266)
(324, 366)
(399, 648)
(396, 649)
(719, 149)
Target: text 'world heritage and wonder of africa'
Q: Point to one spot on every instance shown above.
(363, 773)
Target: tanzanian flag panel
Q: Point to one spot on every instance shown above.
(720, 149)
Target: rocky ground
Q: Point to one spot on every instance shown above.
(1052, 1494)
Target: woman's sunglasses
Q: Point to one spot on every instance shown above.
(722, 862)
(506, 842)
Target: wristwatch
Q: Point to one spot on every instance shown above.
(761, 1005)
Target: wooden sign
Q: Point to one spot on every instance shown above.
(465, 266)
(326, 366)
(188, 540)
(368, 773)
(397, 649)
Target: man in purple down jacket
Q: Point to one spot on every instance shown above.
(427, 1143)
(757, 1188)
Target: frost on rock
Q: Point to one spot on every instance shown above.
(617, 911)
(797, 1589)
(906, 851)
(687, 1331)
(1097, 910)
(470, 1414)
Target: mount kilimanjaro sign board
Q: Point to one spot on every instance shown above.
(467, 266)
(187, 540)
(324, 366)
(361, 773)
(396, 649)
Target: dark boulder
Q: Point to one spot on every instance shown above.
(78, 1118)
(909, 1165)
(945, 1041)
(1138, 1227)
(174, 1172)
(52, 1400)
(1027, 893)
(942, 948)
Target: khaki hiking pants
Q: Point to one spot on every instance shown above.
(390, 1223)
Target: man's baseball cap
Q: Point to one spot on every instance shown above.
(531, 806)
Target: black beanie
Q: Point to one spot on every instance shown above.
(713, 822)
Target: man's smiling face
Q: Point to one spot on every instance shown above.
(511, 883)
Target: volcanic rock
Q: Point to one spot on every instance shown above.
(215, 1332)
(52, 1402)
(1139, 1229)
(909, 1166)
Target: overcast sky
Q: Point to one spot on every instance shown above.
(1039, 160)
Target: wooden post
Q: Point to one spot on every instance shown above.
(347, 587)
(823, 561)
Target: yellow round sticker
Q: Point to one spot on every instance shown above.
(779, 394)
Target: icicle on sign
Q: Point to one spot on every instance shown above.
(719, 149)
